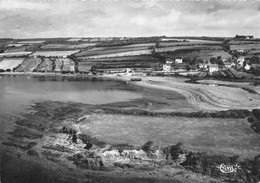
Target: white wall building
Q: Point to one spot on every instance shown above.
(213, 68)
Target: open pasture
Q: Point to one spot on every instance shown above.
(211, 135)
(121, 54)
(46, 65)
(54, 53)
(29, 65)
(189, 43)
(58, 65)
(68, 65)
(113, 50)
(84, 66)
(30, 42)
(245, 47)
(16, 54)
(122, 59)
(10, 63)
(174, 48)
(74, 39)
(232, 42)
(66, 46)
(192, 41)
(199, 54)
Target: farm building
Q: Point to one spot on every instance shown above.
(247, 67)
(228, 65)
(178, 60)
(167, 67)
(203, 65)
(244, 37)
(213, 68)
(240, 61)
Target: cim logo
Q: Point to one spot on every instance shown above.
(228, 168)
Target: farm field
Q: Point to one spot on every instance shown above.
(84, 66)
(199, 54)
(15, 49)
(16, 54)
(114, 49)
(199, 134)
(74, 39)
(30, 42)
(121, 54)
(54, 53)
(68, 65)
(10, 63)
(123, 59)
(67, 46)
(58, 65)
(243, 42)
(245, 46)
(29, 65)
(194, 41)
(201, 47)
(190, 43)
(46, 65)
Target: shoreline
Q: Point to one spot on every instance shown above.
(200, 96)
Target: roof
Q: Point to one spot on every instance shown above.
(213, 65)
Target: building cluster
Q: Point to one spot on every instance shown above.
(207, 66)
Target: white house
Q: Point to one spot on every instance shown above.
(228, 65)
(240, 61)
(213, 68)
(203, 66)
(167, 67)
(178, 60)
(247, 67)
(240, 51)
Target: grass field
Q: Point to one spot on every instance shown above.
(118, 59)
(58, 65)
(67, 46)
(244, 42)
(117, 54)
(46, 65)
(215, 136)
(22, 53)
(54, 53)
(10, 63)
(174, 48)
(68, 65)
(245, 46)
(30, 42)
(115, 50)
(29, 65)
(199, 54)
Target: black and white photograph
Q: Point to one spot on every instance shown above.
(131, 91)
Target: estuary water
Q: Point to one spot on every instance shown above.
(19, 91)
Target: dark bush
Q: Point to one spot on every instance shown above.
(2, 70)
(147, 147)
(256, 113)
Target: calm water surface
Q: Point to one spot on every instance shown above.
(17, 92)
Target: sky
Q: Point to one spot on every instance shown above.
(111, 18)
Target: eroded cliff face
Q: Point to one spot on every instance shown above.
(51, 132)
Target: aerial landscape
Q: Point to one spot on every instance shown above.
(158, 93)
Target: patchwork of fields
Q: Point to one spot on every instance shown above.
(10, 63)
(16, 54)
(29, 64)
(54, 53)
(117, 51)
(66, 46)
